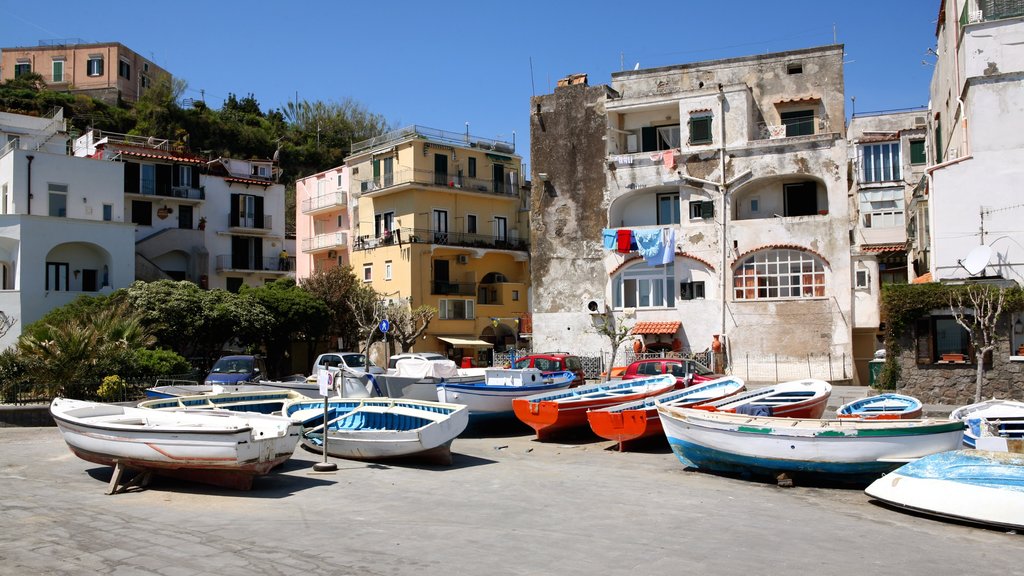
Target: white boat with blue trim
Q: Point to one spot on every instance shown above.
(889, 406)
(492, 396)
(991, 424)
(842, 450)
(258, 401)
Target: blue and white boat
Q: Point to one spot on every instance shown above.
(258, 401)
(380, 428)
(882, 407)
(492, 396)
(991, 423)
(855, 451)
(973, 485)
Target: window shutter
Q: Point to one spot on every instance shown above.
(195, 177)
(131, 177)
(234, 209)
(163, 179)
(649, 139)
(707, 209)
(257, 253)
(923, 333)
(176, 175)
(376, 170)
(259, 211)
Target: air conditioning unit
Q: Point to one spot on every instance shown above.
(332, 254)
(596, 306)
(462, 259)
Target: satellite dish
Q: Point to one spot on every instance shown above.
(977, 259)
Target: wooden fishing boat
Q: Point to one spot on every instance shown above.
(380, 428)
(882, 407)
(639, 419)
(258, 401)
(549, 412)
(991, 423)
(844, 450)
(796, 399)
(973, 485)
(493, 395)
(222, 448)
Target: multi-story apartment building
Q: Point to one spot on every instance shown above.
(107, 71)
(730, 177)
(887, 163)
(62, 226)
(219, 224)
(323, 222)
(438, 219)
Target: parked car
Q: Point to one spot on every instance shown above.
(554, 362)
(393, 361)
(354, 361)
(687, 372)
(237, 368)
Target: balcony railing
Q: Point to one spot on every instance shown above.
(265, 264)
(321, 242)
(317, 203)
(987, 10)
(188, 192)
(453, 288)
(440, 179)
(435, 135)
(802, 127)
(428, 236)
(250, 223)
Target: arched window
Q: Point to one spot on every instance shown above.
(779, 274)
(641, 286)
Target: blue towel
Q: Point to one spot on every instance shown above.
(667, 249)
(752, 410)
(608, 238)
(648, 242)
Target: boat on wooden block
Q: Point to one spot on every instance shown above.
(796, 399)
(549, 412)
(882, 407)
(991, 424)
(216, 447)
(639, 419)
(258, 401)
(380, 428)
(972, 485)
(493, 395)
(852, 451)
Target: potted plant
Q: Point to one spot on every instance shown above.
(202, 223)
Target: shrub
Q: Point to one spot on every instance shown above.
(114, 388)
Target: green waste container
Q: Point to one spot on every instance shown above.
(875, 371)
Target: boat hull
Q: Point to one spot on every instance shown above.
(882, 407)
(840, 450)
(797, 399)
(971, 485)
(992, 419)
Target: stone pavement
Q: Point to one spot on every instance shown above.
(508, 506)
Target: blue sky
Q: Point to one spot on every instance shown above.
(443, 64)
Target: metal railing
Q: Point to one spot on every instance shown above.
(264, 264)
(334, 200)
(756, 367)
(432, 178)
(268, 223)
(453, 288)
(987, 10)
(188, 192)
(334, 241)
(436, 135)
(428, 236)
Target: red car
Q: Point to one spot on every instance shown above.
(687, 372)
(554, 362)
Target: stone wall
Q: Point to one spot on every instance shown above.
(954, 384)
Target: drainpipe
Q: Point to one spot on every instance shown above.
(28, 183)
(724, 187)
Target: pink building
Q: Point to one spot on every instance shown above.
(323, 222)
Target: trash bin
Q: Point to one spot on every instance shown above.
(875, 371)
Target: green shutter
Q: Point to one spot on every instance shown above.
(376, 170)
(917, 152)
(707, 209)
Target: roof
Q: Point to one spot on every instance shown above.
(923, 278)
(158, 154)
(878, 138)
(247, 181)
(465, 341)
(655, 328)
(884, 247)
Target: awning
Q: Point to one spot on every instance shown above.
(655, 328)
(465, 341)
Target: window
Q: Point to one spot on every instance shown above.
(58, 70)
(144, 80)
(22, 68)
(145, 66)
(881, 208)
(341, 220)
(142, 213)
(500, 228)
(124, 69)
(383, 222)
(94, 66)
(938, 139)
(233, 284)
(863, 279)
(387, 270)
(471, 224)
(57, 276)
(776, 274)
(641, 286)
(108, 212)
(801, 198)
(389, 171)
(755, 205)
(702, 209)
(451, 309)
(3, 198)
(655, 138)
(881, 162)
(367, 272)
(340, 180)
(700, 129)
(691, 290)
(798, 122)
(58, 200)
(472, 167)
(942, 339)
(668, 208)
(917, 152)
(794, 68)
(148, 181)
(184, 175)
(515, 295)
(321, 187)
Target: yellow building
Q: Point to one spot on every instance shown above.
(440, 218)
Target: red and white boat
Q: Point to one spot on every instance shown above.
(796, 399)
(549, 412)
(639, 419)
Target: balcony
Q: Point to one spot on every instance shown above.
(434, 179)
(322, 242)
(188, 192)
(444, 288)
(245, 263)
(988, 10)
(325, 203)
(249, 225)
(427, 236)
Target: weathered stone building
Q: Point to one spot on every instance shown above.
(736, 169)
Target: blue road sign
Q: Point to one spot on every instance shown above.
(384, 325)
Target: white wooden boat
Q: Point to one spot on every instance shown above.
(380, 428)
(258, 401)
(887, 406)
(796, 399)
(991, 423)
(492, 395)
(844, 450)
(222, 448)
(973, 485)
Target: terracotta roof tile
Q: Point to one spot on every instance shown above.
(923, 278)
(655, 328)
(884, 247)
